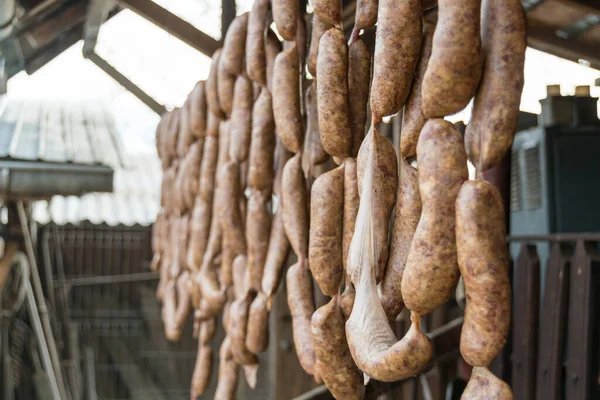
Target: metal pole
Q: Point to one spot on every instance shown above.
(39, 332)
(49, 345)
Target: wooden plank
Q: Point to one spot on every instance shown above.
(127, 84)
(554, 314)
(227, 15)
(171, 23)
(543, 38)
(579, 361)
(525, 322)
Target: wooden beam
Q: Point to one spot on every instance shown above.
(126, 83)
(545, 39)
(227, 15)
(96, 15)
(171, 23)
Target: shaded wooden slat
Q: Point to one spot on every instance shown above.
(579, 357)
(525, 322)
(554, 313)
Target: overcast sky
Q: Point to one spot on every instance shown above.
(167, 69)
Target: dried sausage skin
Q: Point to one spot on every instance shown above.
(483, 262)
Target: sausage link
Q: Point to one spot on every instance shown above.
(285, 16)
(347, 300)
(332, 93)
(294, 204)
(397, 45)
(212, 86)
(300, 300)
(184, 304)
(313, 152)
(326, 220)
(256, 58)
(454, 68)
(262, 145)
(234, 46)
(241, 120)
(186, 137)
(406, 218)
(286, 99)
(228, 373)
(207, 330)
(431, 270)
(282, 155)
(198, 109)
(359, 76)
(258, 227)
(272, 48)
(329, 11)
(412, 117)
(238, 321)
(385, 183)
(257, 336)
(366, 14)
(483, 262)
(351, 203)
(496, 105)
(279, 247)
(319, 27)
(484, 385)
(229, 209)
(334, 362)
(202, 371)
(239, 272)
(225, 86)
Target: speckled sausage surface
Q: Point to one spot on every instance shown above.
(234, 46)
(272, 48)
(313, 153)
(202, 371)
(238, 321)
(385, 183)
(258, 228)
(262, 145)
(212, 86)
(366, 14)
(483, 262)
(198, 109)
(300, 300)
(397, 46)
(286, 99)
(332, 93)
(256, 57)
(483, 385)
(228, 373)
(241, 120)
(406, 218)
(319, 27)
(359, 77)
(334, 362)
(285, 16)
(295, 206)
(431, 270)
(454, 67)
(225, 86)
(329, 11)
(496, 105)
(412, 117)
(257, 336)
(326, 226)
(279, 247)
(351, 203)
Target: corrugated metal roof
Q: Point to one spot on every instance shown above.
(55, 131)
(135, 200)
